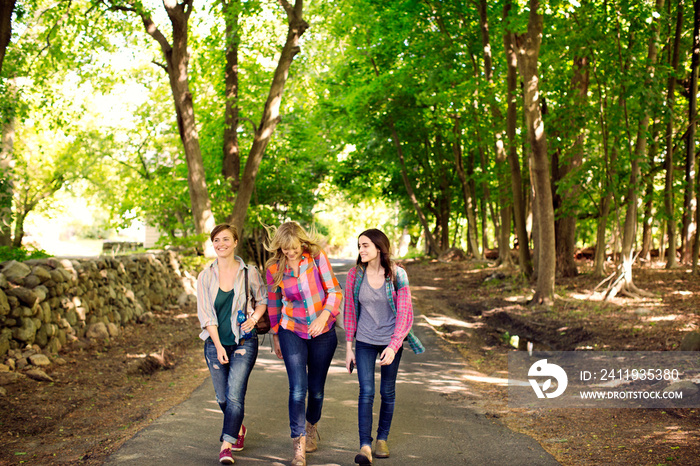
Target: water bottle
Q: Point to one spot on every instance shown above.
(242, 317)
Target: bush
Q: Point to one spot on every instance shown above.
(194, 263)
(8, 253)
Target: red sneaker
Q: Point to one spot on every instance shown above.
(225, 456)
(238, 446)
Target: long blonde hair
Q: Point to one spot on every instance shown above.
(287, 236)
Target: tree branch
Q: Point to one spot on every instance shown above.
(252, 123)
(165, 67)
(287, 7)
(125, 8)
(53, 28)
(154, 32)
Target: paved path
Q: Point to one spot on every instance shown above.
(430, 427)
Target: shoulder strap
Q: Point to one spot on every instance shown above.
(245, 270)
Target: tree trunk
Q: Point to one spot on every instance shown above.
(690, 177)
(535, 225)
(484, 204)
(528, 62)
(6, 9)
(599, 261)
(444, 208)
(511, 125)
(528, 187)
(696, 244)
(231, 163)
(19, 229)
(471, 163)
(623, 282)
(645, 253)
(504, 187)
(607, 198)
(668, 162)
(271, 112)
(25, 204)
(177, 59)
(605, 202)
(430, 239)
(649, 194)
(472, 244)
(6, 181)
(565, 227)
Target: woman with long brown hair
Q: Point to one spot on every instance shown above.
(378, 316)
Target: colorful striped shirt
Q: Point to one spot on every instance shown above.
(399, 299)
(208, 288)
(299, 300)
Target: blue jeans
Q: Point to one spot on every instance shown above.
(366, 357)
(307, 363)
(231, 382)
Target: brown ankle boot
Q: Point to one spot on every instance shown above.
(299, 445)
(381, 450)
(311, 436)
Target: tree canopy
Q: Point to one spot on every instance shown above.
(524, 131)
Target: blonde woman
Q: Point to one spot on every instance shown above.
(303, 303)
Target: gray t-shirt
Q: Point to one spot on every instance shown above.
(377, 321)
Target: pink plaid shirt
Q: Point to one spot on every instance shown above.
(399, 300)
(298, 301)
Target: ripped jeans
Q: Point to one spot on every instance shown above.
(231, 382)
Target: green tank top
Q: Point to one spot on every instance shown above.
(223, 305)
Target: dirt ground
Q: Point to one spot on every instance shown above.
(98, 400)
(475, 308)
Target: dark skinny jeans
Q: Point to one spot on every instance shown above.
(307, 363)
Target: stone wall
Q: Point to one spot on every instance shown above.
(51, 302)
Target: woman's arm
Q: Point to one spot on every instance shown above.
(404, 310)
(350, 318)
(350, 313)
(274, 310)
(334, 295)
(274, 302)
(205, 303)
(220, 351)
(331, 305)
(349, 356)
(252, 320)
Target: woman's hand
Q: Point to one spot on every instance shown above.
(249, 324)
(349, 358)
(387, 357)
(276, 345)
(319, 324)
(221, 354)
(220, 351)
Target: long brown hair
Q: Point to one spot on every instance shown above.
(381, 242)
(287, 236)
